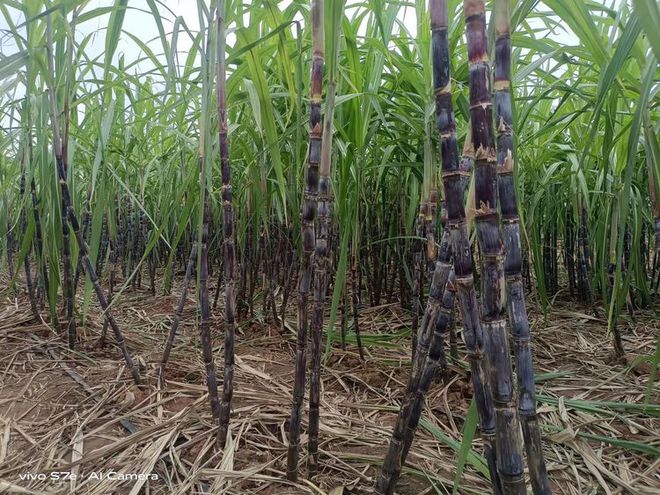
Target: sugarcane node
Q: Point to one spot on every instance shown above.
(446, 89)
(510, 219)
(484, 212)
(316, 132)
(472, 9)
(481, 154)
(455, 173)
(464, 280)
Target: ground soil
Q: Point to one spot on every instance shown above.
(49, 422)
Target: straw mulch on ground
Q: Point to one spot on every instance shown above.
(77, 412)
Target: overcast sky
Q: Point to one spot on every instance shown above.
(139, 22)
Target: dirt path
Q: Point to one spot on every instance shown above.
(49, 424)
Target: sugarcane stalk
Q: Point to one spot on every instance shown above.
(430, 220)
(455, 176)
(321, 269)
(434, 361)
(86, 223)
(10, 253)
(103, 248)
(288, 285)
(202, 239)
(569, 250)
(453, 339)
(111, 288)
(493, 297)
(418, 275)
(23, 219)
(355, 297)
(227, 229)
(73, 219)
(512, 260)
(69, 287)
(37, 227)
(39, 248)
(204, 310)
(439, 280)
(584, 252)
(130, 240)
(343, 308)
(67, 283)
(176, 320)
(308, 215)
(394, 457)
(654, 194)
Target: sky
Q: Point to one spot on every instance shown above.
(139, 21)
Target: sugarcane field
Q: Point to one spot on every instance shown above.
(329, 247)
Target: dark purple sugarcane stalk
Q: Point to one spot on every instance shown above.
(493, 294)
(453, 339)
(37, 225)
(288, 284)
(141, 243)
(418, 274)
(204, 309)
(512, 260)
(569, 249)
(73, 219)
(23, 219)
(655, 204)
(455, 177)
(355, 298)
(434, 361)
(10, 250)
(69, 287)
(111, 288)
(394, 457)
(308, 216)
(176, 320)
(322, 261)
(227, 230)
(439, 279)
(103, 248)
(584, 255)
(431, 211)
(39, 248)
(86, 220)
(130, 240)
(202, 238)
(67, 283)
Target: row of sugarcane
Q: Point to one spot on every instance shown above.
(71, 225)
(317, 198)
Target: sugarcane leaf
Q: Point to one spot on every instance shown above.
(648, 13)
(472, 458)
(469, 430)
(114, 31)
(11, 64)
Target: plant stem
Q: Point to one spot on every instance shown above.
(512, 260)
(308, 216)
